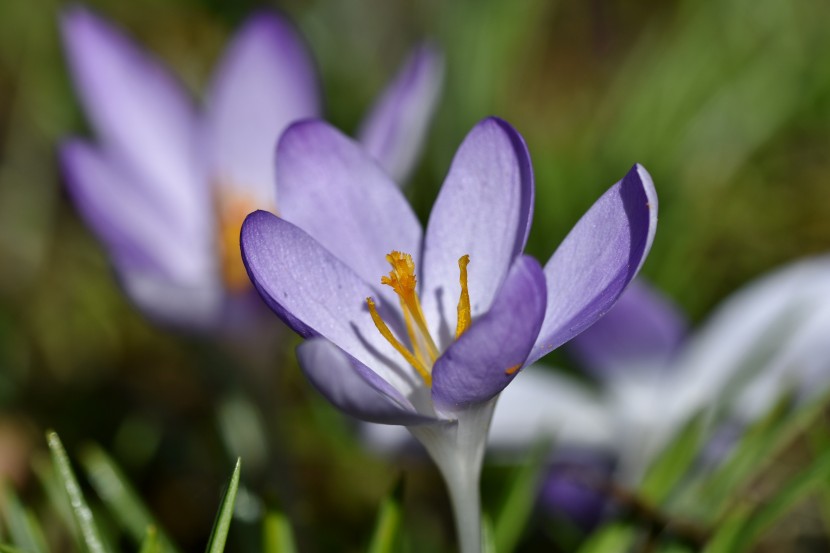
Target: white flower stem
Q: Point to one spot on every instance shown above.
(458, 449)
(466, 505)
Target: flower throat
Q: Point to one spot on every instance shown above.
(401, 279)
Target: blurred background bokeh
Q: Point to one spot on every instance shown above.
(726, 102)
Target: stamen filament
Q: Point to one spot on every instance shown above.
(410, 331)
(386, 333)
(414, 306)
(464, 300)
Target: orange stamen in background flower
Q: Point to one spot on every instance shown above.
(231, 211)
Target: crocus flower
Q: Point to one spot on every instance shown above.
(168, 183)
(431, 343)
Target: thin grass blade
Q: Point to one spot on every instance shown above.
(388, 522)
(222, 524)
(24, 530)
(796, 490)
(80, 509)
(517, 505)
(115, 490)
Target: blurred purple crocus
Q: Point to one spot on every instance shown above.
(168, 184)
(433, 351)
(765, 339)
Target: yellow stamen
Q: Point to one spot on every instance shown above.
(413, 337)
(386, 333)
(402, 280)
(232, 210)
(463, 301)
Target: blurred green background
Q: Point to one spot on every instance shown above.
(726, 102)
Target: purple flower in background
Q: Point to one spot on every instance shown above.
(573, 487)
(433, 343)
(168, 184)
(767, 338)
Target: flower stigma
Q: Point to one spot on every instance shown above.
(402, 280)
(232, 208)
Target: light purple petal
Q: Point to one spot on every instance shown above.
(316, 294)
(352, 387)
(188, 305)
(137, 235)
(140, 112)
(332, 189)
(487, 357)
(762, 339)
(169, 274)
(265, 81)
(598, 258)
(395, 130)
(484, 209)
(640, 334)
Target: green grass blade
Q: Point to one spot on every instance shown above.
(796, 490)
(24, 530)
(80, 509)
(151, 543)
(223, 517)
(388, 522)
(120, 497)
(517, 505)
(489, 535)
(10, 549)
(673, 463)
(727, 534)
(758, 449)
(58, 502)
(278, 536)
(614, 538)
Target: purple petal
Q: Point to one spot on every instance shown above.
(484, 209)
(395, 130)
(140, 112)
(189, 305)
(767, 337)
(332, 189)
(265, 81)
(169, 274)
(487, 357)
(137, 236)
(316, 294)
(352, 387)
(641, 334)
(598, 258)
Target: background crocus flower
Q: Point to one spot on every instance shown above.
(464, 311)
(767, 338)
(168, 184)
